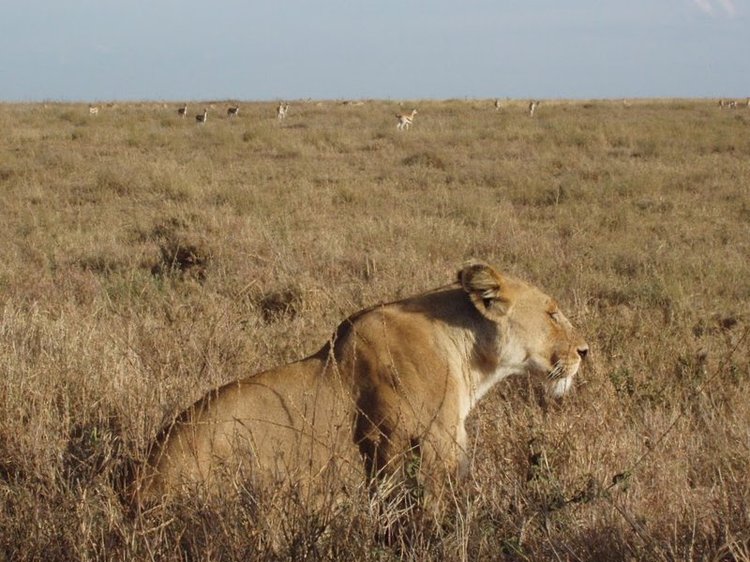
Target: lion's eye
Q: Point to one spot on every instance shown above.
(555, 315)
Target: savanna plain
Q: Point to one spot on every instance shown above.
(147, 258)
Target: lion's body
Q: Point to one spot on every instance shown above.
(396, 379)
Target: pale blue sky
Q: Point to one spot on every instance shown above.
(341, 49)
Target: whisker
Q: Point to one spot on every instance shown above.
(558, 371)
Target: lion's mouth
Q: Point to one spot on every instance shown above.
(559, 373)
(561, 386)
(560, 378)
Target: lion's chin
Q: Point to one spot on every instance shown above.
(560, 386)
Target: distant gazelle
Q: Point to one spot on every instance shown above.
(497, 105)
(533, 104)
(93, 110)
(405, 119)
(233, 111)
(281, 110)
(182, 111)
(202, 118)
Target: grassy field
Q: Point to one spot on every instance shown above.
(147, 259)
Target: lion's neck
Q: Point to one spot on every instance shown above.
(490, 380)
(491, 363)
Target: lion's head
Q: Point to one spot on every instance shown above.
(534, 335)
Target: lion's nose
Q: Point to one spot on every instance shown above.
(583, 351)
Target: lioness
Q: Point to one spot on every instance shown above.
(395, 382)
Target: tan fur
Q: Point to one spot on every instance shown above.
(405, 120)
(396, 382)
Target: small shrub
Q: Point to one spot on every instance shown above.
(426, 160)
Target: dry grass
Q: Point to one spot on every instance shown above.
(147, 259)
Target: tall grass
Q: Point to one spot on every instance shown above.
(147, 259)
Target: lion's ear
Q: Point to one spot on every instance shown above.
(485, 287)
